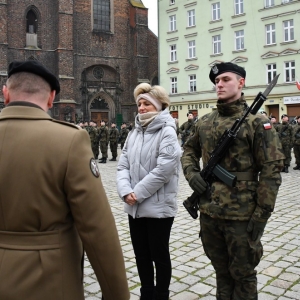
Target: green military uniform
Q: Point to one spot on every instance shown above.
(225, 215)
(123, 136)
(103, 138)
(186, 129)
(285, 132)
(297, 144)
(93, 133)
(113, 142)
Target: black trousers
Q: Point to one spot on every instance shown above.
(150, 240)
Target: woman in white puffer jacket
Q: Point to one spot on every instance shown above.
(147, 182)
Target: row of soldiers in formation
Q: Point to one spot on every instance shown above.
(102, 136)
(289, 135)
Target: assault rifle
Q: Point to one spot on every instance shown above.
(213, 170)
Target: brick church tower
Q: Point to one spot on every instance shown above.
(99, 49)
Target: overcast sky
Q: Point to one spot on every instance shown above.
(152, 14)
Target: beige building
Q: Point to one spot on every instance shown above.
(262, 36)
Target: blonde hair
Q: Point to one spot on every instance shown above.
(155, 91)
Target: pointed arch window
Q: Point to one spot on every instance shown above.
(32, 24)
(102, 15)
(31, 29)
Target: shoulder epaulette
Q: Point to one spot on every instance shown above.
(65, 123)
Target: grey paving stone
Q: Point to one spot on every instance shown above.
(278, 271)
(201, 289)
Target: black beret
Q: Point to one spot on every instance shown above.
(284, 115)
(297, 117)
(220, 68)
(35, 67)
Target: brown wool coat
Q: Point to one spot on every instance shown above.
(51, 207)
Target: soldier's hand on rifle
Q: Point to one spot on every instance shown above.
(256, 229)
(197, 183)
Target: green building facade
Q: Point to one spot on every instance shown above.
(262, 36)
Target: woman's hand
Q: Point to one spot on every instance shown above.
(130, 199)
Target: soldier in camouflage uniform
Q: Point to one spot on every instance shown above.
(123, 135)
(273, 121)
(113, 141)
(187, 128)
(232, 219)
(103, 141)
(92, 131)
(285, 132)
(297, 143)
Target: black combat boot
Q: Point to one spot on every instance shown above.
(147, 293)
(113, 159)
(297, 167)
(286, 168)
(103, 161)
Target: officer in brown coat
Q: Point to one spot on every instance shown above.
(52, 202)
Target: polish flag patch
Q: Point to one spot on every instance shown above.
(267, 126)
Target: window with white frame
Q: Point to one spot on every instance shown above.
(289, 71)
(172, 23)
(191, 49)
(269, 3)
(270, 34)
(173, 85)
(271, 72)
(216, 13)
(288, 30)
(238, 7)
(192, 83)
(239, 40)
(191, 18)
(216, 40)
(173, 53)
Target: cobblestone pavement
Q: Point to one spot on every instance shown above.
(193, 276)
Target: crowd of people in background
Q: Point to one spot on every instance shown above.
(289, 134)
(288, 130)
(102, 136)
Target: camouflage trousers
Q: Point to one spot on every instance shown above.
(103, 149)
(227, 244)
(297, 154)
(287, 153)
(113, 148)
(95, 149)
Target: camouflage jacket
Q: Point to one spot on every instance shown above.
(93, 133)
(123, 135)
(103, 134)
(286, 134)
(256, 150)
(114, 135)
(297, 135)
(187, 128)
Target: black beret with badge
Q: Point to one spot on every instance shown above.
(35, 67)
(284, 115)
(224, 67)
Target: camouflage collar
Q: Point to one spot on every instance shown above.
(233, 108)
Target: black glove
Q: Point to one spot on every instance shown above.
(197, 183)
(257, 228)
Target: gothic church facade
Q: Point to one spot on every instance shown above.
(99, 49)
